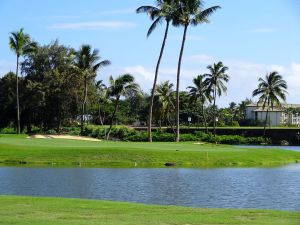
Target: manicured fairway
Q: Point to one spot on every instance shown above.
(55, 211)
(18, 150)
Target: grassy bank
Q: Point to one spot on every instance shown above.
(18, 150)
(28, 210)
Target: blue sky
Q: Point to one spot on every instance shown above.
(250, 37)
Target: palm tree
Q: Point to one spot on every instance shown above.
(216, 80)
(121, 86)
(191, 13)
(21, 44)
(270, 90)
(164, 101)
(87, 63)
(102, 97)
(163, 12)
(200, 92)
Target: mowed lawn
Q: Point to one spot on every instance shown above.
(57, 211)
(19, 150)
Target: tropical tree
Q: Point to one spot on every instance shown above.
(87, 63)
(164, 101)
(21, 44)
(200, 92)
(191, 12)
(121, 86)
(102, 98)
(270, 91)
(163, 12)
(216, 80)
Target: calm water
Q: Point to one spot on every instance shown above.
(272, 188)
(293, 148)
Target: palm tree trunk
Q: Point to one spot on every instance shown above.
(112, 117)
(266, 120)
(155, 81)
(99, 114)
(18, 101)
(83, 106)
(178, 84)
(204, 118)
(214, 109)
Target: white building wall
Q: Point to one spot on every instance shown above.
(250, 112)
(274, 118)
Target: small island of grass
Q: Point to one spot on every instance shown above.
(19, 150)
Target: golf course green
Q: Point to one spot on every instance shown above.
(19, 150)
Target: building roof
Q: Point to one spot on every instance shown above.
(270, 110)
(283, 105)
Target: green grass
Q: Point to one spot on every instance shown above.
(18, 150)
(56, 211)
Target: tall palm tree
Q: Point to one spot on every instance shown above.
(163, 12)
(164, 101)
(121, 86)
(102, 97)
(270, 91)
(21, 44)
(87, 63)
(216, 80)
(191, 13)
(200, 92)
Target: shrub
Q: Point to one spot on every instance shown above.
(53, 132)
(8, 130)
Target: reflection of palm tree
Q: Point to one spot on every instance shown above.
(270, 90)
(190, 13)
(164, 101)
(164, 11)
(216, 80)
(88, 65)
(200, 92)
(21, 44)
(122, 86)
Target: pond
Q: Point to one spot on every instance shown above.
(268, 188)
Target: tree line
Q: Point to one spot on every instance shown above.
(58, 85)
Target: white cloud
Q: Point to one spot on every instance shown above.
(145, 76)
(93, 25)
(6, 66)
(262, 30)
(293, 80)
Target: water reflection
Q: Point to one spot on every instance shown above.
(272, 188)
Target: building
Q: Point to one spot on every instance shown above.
(276, 116)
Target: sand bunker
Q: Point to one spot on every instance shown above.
(69, 137)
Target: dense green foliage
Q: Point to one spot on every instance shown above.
(58, 211)
(57, 152)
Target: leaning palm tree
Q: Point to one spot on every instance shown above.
(191, 13)
(216, 80)
(21, 44)
(164, 101)
(87, 64)
(270, 90)
(200, 92)
(121, 86)
(163, 12)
